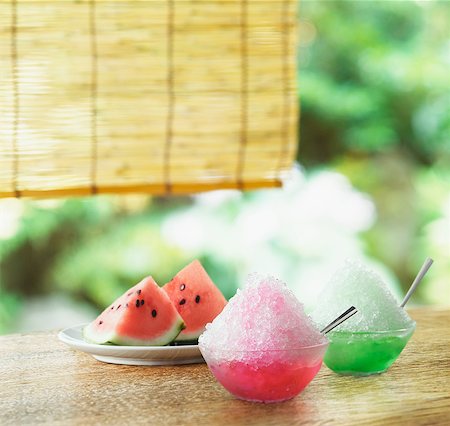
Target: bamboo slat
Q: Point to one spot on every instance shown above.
(156, 96)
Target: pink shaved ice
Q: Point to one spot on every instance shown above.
(264, 316)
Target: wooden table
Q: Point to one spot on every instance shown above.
(43, 381)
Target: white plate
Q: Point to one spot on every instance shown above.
(131, 355)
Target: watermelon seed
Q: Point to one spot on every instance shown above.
(137, 303)
(112, 307)
(182, 287)
(154, 313)
(100, 322)
(197, 299)
(130, 293)
(126, 305)
(118, 307)
(142, 302)
(139, 291)
(182, 301)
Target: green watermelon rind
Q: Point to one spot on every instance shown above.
(189, 336)
(113, 339)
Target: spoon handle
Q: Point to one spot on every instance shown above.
(340, 319)
(423, 270)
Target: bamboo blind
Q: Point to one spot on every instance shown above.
(156, 96)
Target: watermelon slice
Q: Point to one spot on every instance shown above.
(196, 298)
(143, 315)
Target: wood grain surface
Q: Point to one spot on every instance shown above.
(45, 382)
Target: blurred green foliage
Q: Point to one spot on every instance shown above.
(375, 107)
(375, 93)
(374, 77)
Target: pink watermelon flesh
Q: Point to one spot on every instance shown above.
(143, 315)
(196, 298)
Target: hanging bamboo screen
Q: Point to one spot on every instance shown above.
(157, 96)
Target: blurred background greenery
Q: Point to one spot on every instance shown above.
(373, 182)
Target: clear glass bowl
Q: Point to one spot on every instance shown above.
(265, 376)
(365, 353)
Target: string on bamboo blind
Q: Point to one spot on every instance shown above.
(160, 96)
